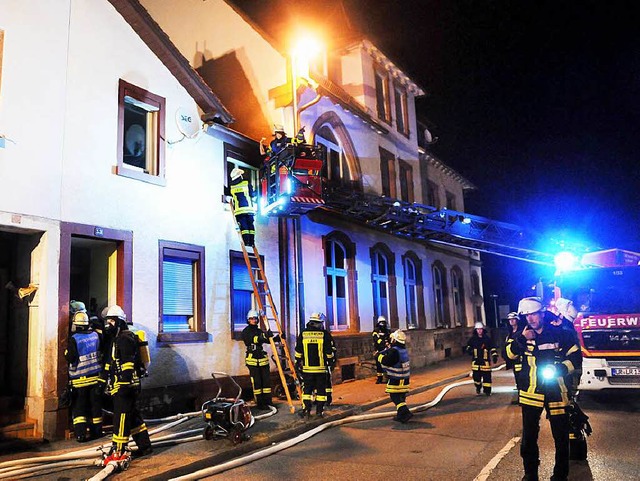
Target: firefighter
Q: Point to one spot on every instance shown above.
(380, 337)
(482, 350)
(515, 328)
(395, 360)
(243, 205)
(314, 356)
(277, 144)
(124, 369)
(257, 361)
(548, 355)
(84, 355)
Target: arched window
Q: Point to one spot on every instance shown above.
(337, 292)
(340, 276)
(457, 291)
(439, 294)
(380, 281)
(336, 169)
(411, 298)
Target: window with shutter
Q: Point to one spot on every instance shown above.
(181, 293)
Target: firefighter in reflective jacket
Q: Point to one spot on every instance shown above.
(84, 356)
(380, 337)
(395, 360)
(123, 369)
(515, 328)
(548, 355)
(482, 351)
(243, 205)
(257, 361)
(314, 356)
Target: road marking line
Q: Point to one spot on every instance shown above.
(486, 471)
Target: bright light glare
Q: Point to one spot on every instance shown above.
(565, 261)
(306, 48)
(549, 372)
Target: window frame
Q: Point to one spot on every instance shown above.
(406, 181)
(383, 99)
(236, 335)
(433, 198)
(334, 272)
(140, 95)
(388, 173)
(450, 200)
(196, 253)
(344, 175)
(352, 276)
(440, 297)
(402, 115)
(411, 285)
(458, 295)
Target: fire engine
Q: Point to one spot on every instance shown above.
(605, 290)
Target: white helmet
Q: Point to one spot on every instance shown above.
(567, 309)
(399, 336)
(253, 314)
(529, 305)
(513, 315)
(116, 312)
(382, 319)
(317, 316)
(478, 325)
(236, 172)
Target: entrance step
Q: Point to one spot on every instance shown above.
(21, 430)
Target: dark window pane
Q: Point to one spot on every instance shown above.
(135, 136)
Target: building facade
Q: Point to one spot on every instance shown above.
(113, 191)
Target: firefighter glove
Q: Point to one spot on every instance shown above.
(495, 359)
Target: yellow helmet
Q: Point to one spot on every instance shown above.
(399, 336)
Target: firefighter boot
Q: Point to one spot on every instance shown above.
(144, 444)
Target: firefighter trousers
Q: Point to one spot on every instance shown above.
(261, 384)
(128, 421)
(482, 380)
(247, 228)
(86, 409)
(529, 447)
(314, 382)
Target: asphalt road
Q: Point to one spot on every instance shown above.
(456, 440)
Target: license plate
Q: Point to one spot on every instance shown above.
(625, 371)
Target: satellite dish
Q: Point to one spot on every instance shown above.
(134, 140)
(188, 122)
(428, 138)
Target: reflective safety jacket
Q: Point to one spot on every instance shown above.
(515, 364)
(551, 347)
(315, 350)
(84, 357)
(122, 365)
(242, 195)
(482, 350)
(395, 362)
(254, 338)
(380, 339)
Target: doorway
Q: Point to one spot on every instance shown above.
(93, 273)
(16, 250)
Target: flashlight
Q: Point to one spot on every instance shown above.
(549, 372)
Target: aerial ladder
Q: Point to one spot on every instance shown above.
(268, 312)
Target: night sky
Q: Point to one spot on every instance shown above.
(536, 103)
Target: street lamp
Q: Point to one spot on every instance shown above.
(495, 307)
